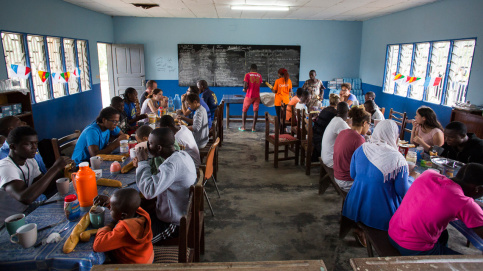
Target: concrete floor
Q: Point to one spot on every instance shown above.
(268, 214)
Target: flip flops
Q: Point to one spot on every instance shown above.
(242, 130)
(254, 130)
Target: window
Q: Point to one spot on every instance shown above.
(391, 68)
(459, 71)
(447, 61)
(56, 65)
(49, 54)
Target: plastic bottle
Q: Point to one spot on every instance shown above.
(85, 185)
(170, 105)
(160, 111)
(177, 102)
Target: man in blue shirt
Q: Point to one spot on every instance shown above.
(7, 124)
(94, 139)
(209, 97)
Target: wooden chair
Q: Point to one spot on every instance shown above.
(279, 140)
(328, 179)
(379, 240)
(65, 142)
(283, 116)
(184, 252)
(208, 172)
(199, 217)
(400, 119)
(406, 129)
(382, 110)
(296, 123)
(306, 141)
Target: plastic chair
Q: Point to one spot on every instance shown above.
(65, 142)
(208, 172)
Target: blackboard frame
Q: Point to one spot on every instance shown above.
(224, 65)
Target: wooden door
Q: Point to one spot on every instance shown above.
(128, 67)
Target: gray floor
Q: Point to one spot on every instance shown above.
(268, 214)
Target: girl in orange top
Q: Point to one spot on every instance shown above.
(282, 88)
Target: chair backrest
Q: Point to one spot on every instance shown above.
(400, 119)
(209, 160)
(219, 132)
(58, 145)
(199, 217)
(272, 120)
(186, 229)
(406, 129)
(383, 110)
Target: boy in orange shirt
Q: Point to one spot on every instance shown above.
(129, 235)
(294, 101)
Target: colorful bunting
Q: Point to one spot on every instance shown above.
(20, 71)
(412, 80)
(56, 77)
(76, 72)
(65, 76)
(399, 78)
(432, 81)
(43, 76)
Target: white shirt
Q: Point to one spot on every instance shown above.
(200, 127)
(8, 173)
(302, 106)
(185, 137)
(378, 115)
(336, 125)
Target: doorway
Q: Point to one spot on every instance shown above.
(104, 56)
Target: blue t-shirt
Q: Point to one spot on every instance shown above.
(92, 135)
(130, 111)
(5, 150)
(210, 119)
(210, 98)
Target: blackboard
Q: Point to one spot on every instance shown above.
(226, 65)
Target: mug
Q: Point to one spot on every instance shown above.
(96, 215)
(95, 162)
(13, 222)
(132, 153)
(26, 235)
(62, 185)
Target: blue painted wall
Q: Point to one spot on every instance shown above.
(60, 116)
(449, 19)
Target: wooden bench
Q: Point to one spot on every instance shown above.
(379, 240)
(419, 263)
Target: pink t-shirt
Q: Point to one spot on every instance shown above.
(430, 204)
(254, 81)
(345, 145)
(427, 137)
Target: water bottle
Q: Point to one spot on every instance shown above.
(85, 185)
(170, 105)
(177, 102)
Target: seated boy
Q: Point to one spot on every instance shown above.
(302, 104)
(129, 234)
(199, 127)
(293, 101)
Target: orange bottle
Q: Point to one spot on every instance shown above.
(85, 185)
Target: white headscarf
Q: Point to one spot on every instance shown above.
(382, 150)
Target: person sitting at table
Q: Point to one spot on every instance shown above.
(187, 112)
(142, 134)
(184, 137)
(170, 186)
(94, 139)
(370, 96)
(336, 125)
(381, 178)
(460, 145)
(419, 225)
(128, 236)
(324, 118)
(209, 97)
(427, 131)
(153, 102)
(294, 101)
(282, 88)
(199, 125)
(21, 181)
(372, 108)
(130, 100)
(150, 86)
(347, 96)
(316, 89)
(118, 103)
(302, 104)
(7, 124)
(251, 85)
(346, 144)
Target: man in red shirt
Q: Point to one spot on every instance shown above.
(251, 86)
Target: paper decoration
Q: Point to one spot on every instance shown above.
(20, 71)
(43, 76)
(75, 72)
(432, 81)
(399, 78)
(56, 77)
(412, 80)
(65, 76)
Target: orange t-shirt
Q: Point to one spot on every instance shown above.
(293, 101)
(283, 91)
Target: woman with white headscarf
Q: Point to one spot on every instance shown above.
(381, 179)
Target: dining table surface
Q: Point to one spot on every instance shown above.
(50, 256)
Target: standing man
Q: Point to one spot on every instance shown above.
(150, 86)
(208, 96)
(251, 85)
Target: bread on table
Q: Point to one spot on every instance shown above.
(127, 168)
(109, 182)
(86, 235)
(114, 157)
(73, 239)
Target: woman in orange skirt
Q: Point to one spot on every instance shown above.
(282, 88)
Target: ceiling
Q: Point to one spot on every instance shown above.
(342, 10)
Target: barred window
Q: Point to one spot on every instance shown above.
(14, 51)
(404, 67)
(420, 69)
(83, 65)
(391, 68)
(38, 62)
(56, 65)
(459, 71)
(71, 64)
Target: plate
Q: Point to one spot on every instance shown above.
(445, 162)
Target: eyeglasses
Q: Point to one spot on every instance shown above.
(115, 122)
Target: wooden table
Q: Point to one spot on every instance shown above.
(316, 265)
(413, 263)
(234, 99)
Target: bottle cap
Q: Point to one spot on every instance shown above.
(70, 198)
(84, 164)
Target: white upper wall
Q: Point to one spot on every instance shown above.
(450, 19)
(331, 48)
(56, 18)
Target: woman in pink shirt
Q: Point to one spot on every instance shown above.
(418, 227)
(427, 131)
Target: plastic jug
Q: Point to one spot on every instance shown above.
(85, 185)
(177, 102)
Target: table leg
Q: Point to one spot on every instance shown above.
(227, 115)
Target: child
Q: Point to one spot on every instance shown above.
(130, 108)
(129, 234)
(303, 101)
(118, 103)
(293, 101)
(142, 133)
(200, 127)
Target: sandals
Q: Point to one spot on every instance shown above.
(242, 130)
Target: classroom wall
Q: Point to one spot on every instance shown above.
(332, 48)
(58, 117)
(450, 19)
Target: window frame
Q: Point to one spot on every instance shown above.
(448, 65)
(46, 52)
